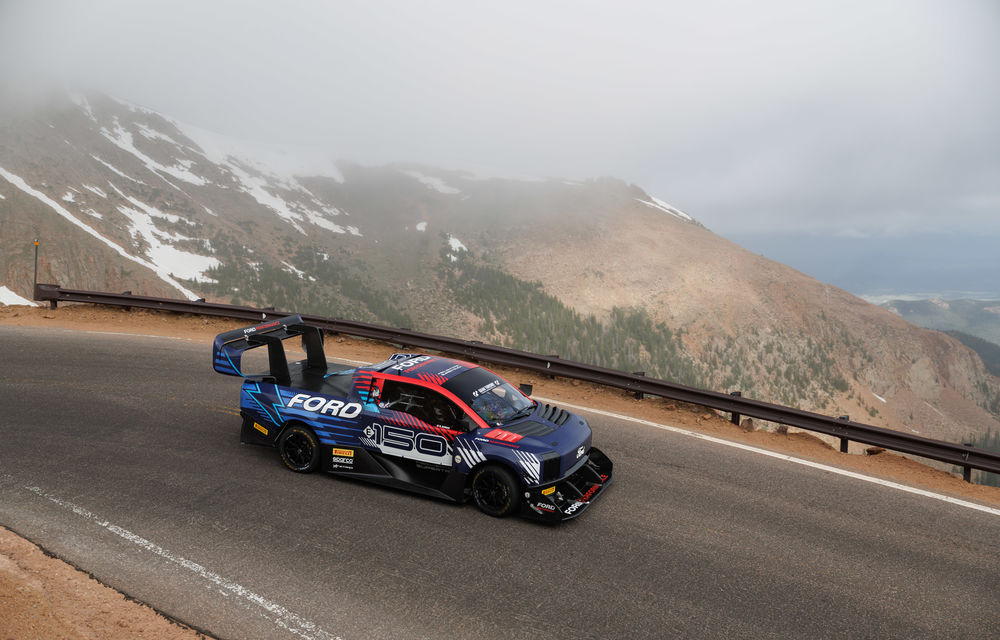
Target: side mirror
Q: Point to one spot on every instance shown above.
(525, 389)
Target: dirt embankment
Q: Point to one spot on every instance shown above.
(43, 597)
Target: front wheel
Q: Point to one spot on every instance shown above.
(496, 491)
(299, 449)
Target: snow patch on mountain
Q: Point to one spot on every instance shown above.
(122, 138)
(666, 208)
(161, 252)
(302, 275)
(152, 134)
(260, 186)
(421, 226)
(8, 297)
(115, 170)
(97, 190)
(435, 184)
(163, 273)
(456, 246)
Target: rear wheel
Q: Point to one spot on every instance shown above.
(299, 449)
(496, 491)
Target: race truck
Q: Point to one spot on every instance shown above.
(433, 425)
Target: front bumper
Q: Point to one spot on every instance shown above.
(571, 495)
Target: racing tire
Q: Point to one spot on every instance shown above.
(299, 449)
(496, 491)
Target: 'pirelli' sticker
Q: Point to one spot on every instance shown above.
(347, 453)
(260, 428)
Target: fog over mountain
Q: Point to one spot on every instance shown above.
(873, 120)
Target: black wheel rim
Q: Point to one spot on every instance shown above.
(492, 491)
(298, 450)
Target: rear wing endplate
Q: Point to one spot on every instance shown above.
(228, 348)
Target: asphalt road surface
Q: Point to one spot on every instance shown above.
(121, 455)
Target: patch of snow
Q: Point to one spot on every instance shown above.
(122, 138)
(169, 258)
(151, 211)
(162, 273)
(2, 197)
(290, 268)
(456, 244)
(8, 297)
(421, 226)
(880, 398)
(453, 257)
(260, 187)
(68, 197)
(99, 191)
(436, 184)
(209, 211)
(254, 186)
(112, 168)
(322, 222)
(91, 212)
(152, 134)
(666, 208)
(354, 232)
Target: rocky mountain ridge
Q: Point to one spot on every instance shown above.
(124, 198)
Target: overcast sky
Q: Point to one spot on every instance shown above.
(871, 117)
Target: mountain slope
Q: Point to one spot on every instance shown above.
(125, 198)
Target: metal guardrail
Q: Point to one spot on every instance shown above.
(957, 454)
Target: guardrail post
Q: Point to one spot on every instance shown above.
(735, 417)
(639, 395)
(554, 356)
(843, 440)
(966, 470)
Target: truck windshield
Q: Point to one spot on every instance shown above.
(494, 399)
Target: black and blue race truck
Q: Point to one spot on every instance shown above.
(433, 425)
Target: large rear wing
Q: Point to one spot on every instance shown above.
(228, 348)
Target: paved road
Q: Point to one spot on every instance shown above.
(121, 455)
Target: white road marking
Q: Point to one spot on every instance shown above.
(121, 333)
(279, 615)
(782, 456)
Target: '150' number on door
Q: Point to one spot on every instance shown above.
(407, 443)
